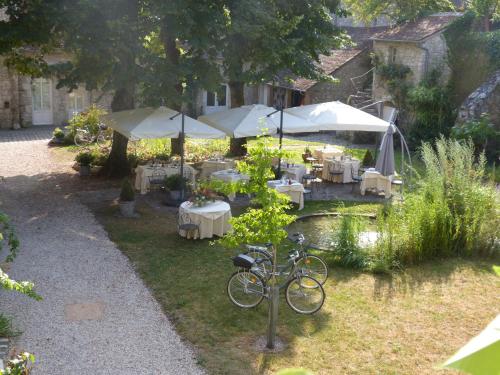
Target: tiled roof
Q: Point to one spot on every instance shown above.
(361, 35)
(329, 64)
(415, 31)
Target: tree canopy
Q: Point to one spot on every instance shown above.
(396, 10)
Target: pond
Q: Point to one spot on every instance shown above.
(319, 230)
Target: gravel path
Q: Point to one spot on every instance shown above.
(97, 317)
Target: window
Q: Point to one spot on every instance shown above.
(392, 55)
(41, 92)
(76, 100)
(216, 100)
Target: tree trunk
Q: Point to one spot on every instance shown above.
(237, 146)
(117, 164)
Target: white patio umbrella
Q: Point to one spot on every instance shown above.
(252, 120)
(150, 123)
(338, 116)
(162, 122)
(385, 159)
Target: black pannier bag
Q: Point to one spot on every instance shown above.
(243, 261)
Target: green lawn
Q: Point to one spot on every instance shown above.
(407, 323)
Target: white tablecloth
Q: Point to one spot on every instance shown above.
(295, 191)
(212, 219)
(375, 180)
(296, 172)
(351, 167)
(210, 166)
(143, 172)
(230, 175)
(327, 153)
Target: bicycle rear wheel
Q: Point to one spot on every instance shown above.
(304, 295)
(265, 266)
(246, 289)
(313, 266)
(82, 138)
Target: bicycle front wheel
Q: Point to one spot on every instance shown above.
(246, 289)
(304, 295)
(313, 266)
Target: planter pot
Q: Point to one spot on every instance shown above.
(127, 209)
(84, 170)
(175, 195)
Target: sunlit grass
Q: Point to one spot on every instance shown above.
(407, 323)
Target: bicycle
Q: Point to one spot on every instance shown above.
(85, 136)
(247, 287)
(311, 265)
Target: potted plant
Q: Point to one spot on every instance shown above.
(174, 184)
(127, 199)
(307, 154)
(84, 159)
(58, 136)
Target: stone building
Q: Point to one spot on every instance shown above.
(26, 101)
(419, 44)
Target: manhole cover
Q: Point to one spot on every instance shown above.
(84, 311)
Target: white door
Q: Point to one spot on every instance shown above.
(216, 101)
(41, 89)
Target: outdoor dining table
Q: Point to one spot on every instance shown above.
(372, 179)
(230, 175)
(294, 171)
(210, 166)
(212, 218)
(294, 189)
(143, 172)
(327, 152)
(351, 168)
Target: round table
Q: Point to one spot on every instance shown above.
(212, 219)
(230, 176)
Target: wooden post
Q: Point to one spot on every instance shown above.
(274, 292)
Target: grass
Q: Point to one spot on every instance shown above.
(407, 323)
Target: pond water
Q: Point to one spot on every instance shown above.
(319, 230)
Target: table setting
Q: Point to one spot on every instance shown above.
(213, 165)
(327, 152)
(350, 166)
(293, 171)
(230, 176)
(211, 216)
(144, 172)
(294, 189)
(374, 180)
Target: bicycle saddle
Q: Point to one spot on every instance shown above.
(243, 261)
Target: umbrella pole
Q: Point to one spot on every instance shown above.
(281, 141)
(182, 156)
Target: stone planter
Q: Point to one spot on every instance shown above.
(84, 170)
(127, 209)
(175, 195)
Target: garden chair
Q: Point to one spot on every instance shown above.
(185, 224)
(156, 180)
(355, 178)
(336, 172)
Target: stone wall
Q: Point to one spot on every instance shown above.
(420, 57)
(485, 99)
(327, 91)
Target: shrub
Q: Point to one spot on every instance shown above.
(6, 329)
(127, 193)
(99, 156)
(368, 160)
(175, 182)
(483, 134)
(451, 213)
(58, 133)
(19, 365)
(89, 120)
(346, 241)
(84, 158)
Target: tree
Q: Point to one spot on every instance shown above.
(103, 39)
(266, 223)
(486, 10)
(264, 38)
(396, 10)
